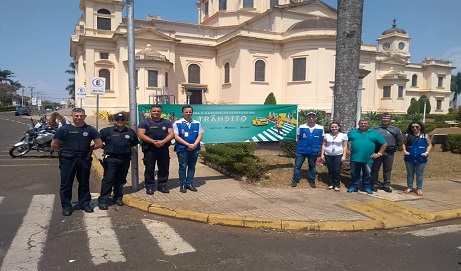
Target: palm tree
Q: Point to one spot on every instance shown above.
(348, 41)
(455, 87)
(71, 87)
(5, 76)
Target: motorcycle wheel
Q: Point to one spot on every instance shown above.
(18, 151)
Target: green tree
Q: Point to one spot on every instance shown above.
(424, 100)
(270, 99)
(455, 87)
(71, 87)
(348, 42)
(5, 76)
(8, 87)
(414, 107)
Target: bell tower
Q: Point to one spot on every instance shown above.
(395, 42)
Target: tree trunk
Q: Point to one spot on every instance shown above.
(348, 41)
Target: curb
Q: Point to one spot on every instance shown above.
(383, 214)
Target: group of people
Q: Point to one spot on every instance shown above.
(370, 149)
(75, 142)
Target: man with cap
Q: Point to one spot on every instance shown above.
(156, 134)
(394, 138)
(310, 136)
(74, 143)
(118, 141)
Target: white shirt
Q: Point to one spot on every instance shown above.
(334, 144)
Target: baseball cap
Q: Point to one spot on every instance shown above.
(311, 113)
(120, 116)
(386, 114)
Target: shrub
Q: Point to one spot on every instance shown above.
(454, 143)
(7, 108)
(288, 148)
(235, 159)
(270, 99)
(414, 107)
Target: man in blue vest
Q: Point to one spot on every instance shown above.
(156, 134)
(187, 134)
(73, 141)
(118, 141)
(310, 136)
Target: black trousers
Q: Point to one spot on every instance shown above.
(386, 160)
(115, 171)
(71, 168)
(161, 157)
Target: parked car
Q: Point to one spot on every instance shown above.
(259, 121)
(22, 110)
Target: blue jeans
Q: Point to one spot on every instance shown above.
(334, 169)
(356, 168)
(299, 161)
(187, 161)
(413, 168)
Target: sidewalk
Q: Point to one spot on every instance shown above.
(225, 201)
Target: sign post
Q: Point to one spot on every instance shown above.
(98, 87)
(80, 94)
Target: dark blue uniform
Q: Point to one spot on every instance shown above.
(117, 156)
(75, 161)
(157, 130)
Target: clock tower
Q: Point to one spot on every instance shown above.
(395, 42)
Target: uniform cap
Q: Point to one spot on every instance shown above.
(120, 116)
(311, 113)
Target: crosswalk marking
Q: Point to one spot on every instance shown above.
(436, 230)
(26, 249)
(168, 240)
(102, 240)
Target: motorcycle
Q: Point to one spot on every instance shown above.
(38, 138)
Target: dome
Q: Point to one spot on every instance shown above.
(315, 23)
(394, 29)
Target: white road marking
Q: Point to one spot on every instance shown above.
(436, 230)
(168, 240)
(102, 240)
(1, 199)
(27, 246)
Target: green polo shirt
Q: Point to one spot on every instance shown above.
(363, 144)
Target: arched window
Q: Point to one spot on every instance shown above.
(106, 74)
(414, 80)
(226, 73)
(247, 3)
(104, 20)
(260, 71)
(193, 72)
(222, 4)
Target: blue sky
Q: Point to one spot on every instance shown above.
(35, 35)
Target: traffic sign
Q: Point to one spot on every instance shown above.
(80, 93)
(98, 85)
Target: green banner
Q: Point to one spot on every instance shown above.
(237, 123)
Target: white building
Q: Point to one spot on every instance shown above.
(240, 51)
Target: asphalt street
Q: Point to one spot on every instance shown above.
(128, 239)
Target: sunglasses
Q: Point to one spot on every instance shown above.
(415, 127)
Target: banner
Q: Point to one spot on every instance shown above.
(236, 123)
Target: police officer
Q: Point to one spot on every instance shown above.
(156, 134)
(73, 141)
(118, 141)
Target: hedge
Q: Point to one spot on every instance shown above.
(454, 143)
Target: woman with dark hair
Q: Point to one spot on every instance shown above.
(57, 120)
(416, 147)
(333, 152)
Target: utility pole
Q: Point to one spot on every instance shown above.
(132, 89)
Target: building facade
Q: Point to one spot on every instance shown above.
(242, 50)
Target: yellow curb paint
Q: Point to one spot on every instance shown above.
(391, 214)
(162, 210)
(367, 225)
(226, 220)
(266, 223)
(447, 214)
(191, 215)
(136, 203)
(300, 225)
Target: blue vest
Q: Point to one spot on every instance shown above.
(416, 146)
(309, 143)
(192, 131)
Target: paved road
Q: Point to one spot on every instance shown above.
(34, 235)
